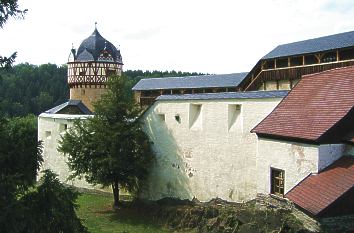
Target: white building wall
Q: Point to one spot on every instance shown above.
(211, 158)
(328, 154)
(50, 129)
(297, 160)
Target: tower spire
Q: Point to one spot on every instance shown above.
(95, 25)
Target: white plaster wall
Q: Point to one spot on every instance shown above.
(349, 150)
(207, 162)
(328, 154)
(54, 160)
(296, 159)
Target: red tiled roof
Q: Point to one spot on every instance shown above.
(316, 192)
(313, 107)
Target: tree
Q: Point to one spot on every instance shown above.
(20, 158)
(110, 148)
(60, 217)
(9, 8)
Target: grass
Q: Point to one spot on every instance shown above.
(97, 215)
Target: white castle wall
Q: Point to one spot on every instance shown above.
(50, 129)
(211, 156)
(297, 160)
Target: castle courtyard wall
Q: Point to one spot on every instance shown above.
(204, 149)
(50, 129)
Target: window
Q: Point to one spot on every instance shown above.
(161, 117)
(195, 118)
(277, 181)
(48, 135)
(178, 118)
(234, 117)
(63, 128)
(110, 72)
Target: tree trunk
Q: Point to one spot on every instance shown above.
(115, 188)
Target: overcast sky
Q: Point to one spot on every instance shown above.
(219, 36)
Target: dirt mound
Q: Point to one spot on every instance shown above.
(263, 214)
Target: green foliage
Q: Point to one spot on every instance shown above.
(20, 158)
(20, 154)
(98, 216)
(110, 148)
(32, 89)
(51, 208)
(9, 8)
(23, 207)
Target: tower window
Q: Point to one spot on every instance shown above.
(277, 181)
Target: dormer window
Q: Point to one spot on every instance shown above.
(105, 56)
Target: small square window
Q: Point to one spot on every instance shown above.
(48, 134)
(161, 117)
(277, 181)
(63, 128)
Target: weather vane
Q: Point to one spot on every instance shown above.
(95, 25)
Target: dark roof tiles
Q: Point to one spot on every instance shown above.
(94, 45)
(341, 40)
(203, 81)
(76, 103)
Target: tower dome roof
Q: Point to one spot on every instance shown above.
(97, 48)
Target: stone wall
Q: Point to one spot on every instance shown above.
(207, 155)
(87, 95)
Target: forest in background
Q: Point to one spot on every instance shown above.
(31, 89)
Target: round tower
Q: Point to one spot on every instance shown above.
(90, 66)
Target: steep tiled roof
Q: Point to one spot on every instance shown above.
(71, 103)
(226, 95)
(341, 40)
(320, 107)
(91, 48)
(203, 81)
(318, 191)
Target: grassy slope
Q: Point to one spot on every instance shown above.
(96, 212)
